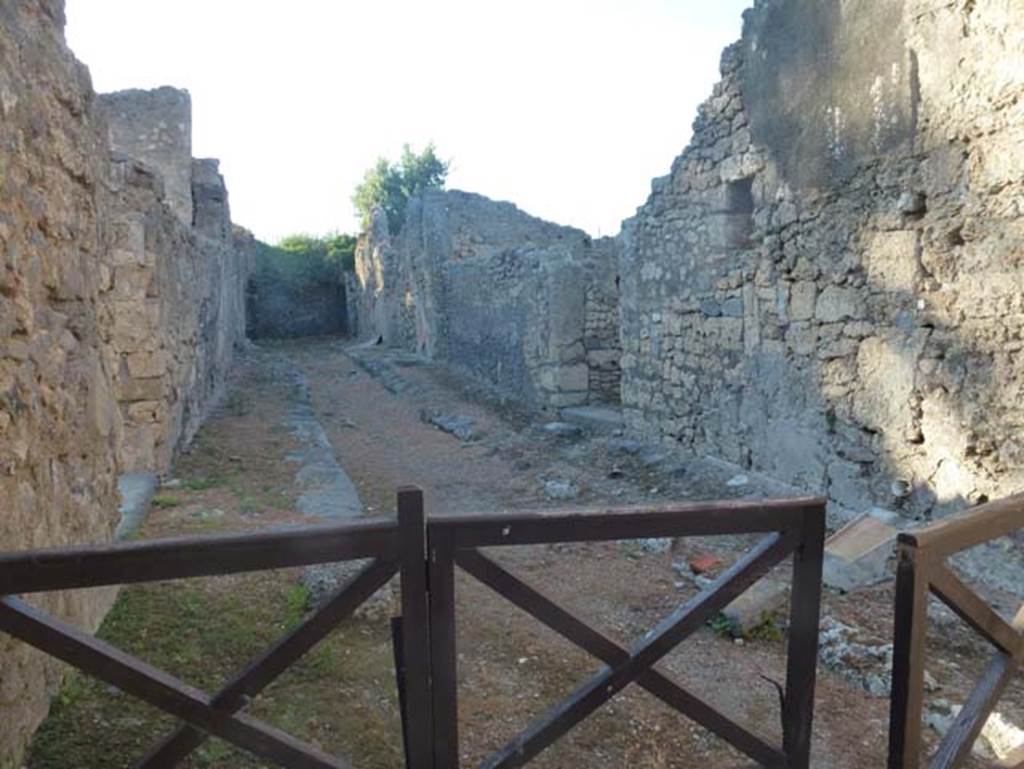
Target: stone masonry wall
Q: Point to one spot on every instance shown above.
(828, 285)
(115, 315)
(156, 126)
(495, 292)
(176, 298)
(59, 426)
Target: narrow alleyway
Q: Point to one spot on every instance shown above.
(261, 458)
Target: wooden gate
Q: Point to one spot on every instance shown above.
(792, 527)
(922, 571)
(425, 555)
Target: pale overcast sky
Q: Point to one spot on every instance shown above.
(568, 108)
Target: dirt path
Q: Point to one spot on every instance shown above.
(244, 472)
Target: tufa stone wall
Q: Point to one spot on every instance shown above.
(175, 297)
(828, 285)
(117, 320)
(527, 305)
(59, 423)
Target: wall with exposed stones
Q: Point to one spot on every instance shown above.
(176, 298)
(828, 284)
(525, 304)
(117, 321)
(59, 425)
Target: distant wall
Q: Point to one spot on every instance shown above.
(496, 292)
(293, 300)
(118, 320)
(828, 284)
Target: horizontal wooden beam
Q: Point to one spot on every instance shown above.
(148, 561)
(585, 525)
(969, 528)
(159, 689)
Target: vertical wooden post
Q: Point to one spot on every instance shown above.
(444, 685)
(907, 697)
(802, 654)
(416, 717)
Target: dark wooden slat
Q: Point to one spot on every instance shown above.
(802, 654)
(575, 630)
(443, 653)
(969, 528)
(907, 696)
(731, 517)
(655, 645)
(956, 745)
(271, 664)
(156, 687)
(418, 718)
(94, 566)
(398, 650)
(972, 610)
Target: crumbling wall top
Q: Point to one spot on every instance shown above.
(155, 126)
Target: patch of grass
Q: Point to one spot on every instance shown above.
(237, 403)
(340, 696)
(202, 484)
(166, 500)
(297, 603)
(766, 630)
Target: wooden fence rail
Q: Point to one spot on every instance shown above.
(425, 554)
(922, 571)
(792, 527)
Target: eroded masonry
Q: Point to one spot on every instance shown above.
(827, 286)
(121, 304)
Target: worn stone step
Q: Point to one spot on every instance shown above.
(857, 555)
(597, 418)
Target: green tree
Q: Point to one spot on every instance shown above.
(390, 185)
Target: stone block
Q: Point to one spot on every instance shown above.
(756, 606)
(838, 303)
(571, 378)
(143, 365)
(599, 418)
(142, 390)
(802, 298)
(857, 555)
(891, 261)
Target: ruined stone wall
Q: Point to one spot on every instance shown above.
(115, 315)
(176, 299)
(495, 292)
(59, 426)
(601, 328)
(828, 285)
(156, 126)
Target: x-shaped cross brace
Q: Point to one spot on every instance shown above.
(633, 665)
(202, 714)
(1006, 637)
